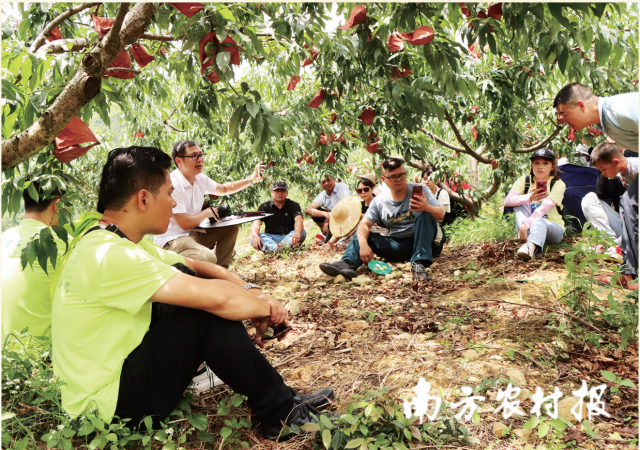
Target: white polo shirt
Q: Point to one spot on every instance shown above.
(188, 199)
(340, 191)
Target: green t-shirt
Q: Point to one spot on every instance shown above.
(25, 293)
(556, 194)
(101, 312)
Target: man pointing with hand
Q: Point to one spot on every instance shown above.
(190, 188)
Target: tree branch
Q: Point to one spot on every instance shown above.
(457, 197)
(158, 37)
(60, 46)
(123, 69)
(541, 144)
(455, 130)
(441, 141)
(455, 148)
(112, 39)
(42, 37)
(490, 192)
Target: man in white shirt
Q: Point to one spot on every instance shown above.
(320, 208)
(190, 188)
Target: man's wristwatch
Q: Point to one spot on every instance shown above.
(248, 286)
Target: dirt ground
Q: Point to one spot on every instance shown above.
(453, 331)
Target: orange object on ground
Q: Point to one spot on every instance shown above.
(358, 15)
(421, 36)
(68, 142)
(55, 35)
(123, 60)
(102, 25)
(188, 9)
(140, 55)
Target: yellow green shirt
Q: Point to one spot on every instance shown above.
(556, 194)
(101, 312)
(25, 293)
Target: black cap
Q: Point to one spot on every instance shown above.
(279, 185)
(544, 153)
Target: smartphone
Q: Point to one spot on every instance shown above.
(278, 331)
(416, 192)
(542, 185)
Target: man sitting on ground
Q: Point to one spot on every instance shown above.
(412, 222)
(25, 293)
(320, 208)
(284, 228)
(191, 186)
(110, 356)
(610, 161)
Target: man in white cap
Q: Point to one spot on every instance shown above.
(285, 228)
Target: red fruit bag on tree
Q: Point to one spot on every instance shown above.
(474, 132)
(372, 148)
(337, 138)
(495, 11)
(68, 142)
(464, 9)
(293, 82)
(102, 25)
(421, 36)
(333, 118)
(317, 99)
(138, 134)
(323, 138)
(395, 42)
(405, 71)
(55, 35)
(188, 9)
(358, 15)
(475, 52)
(494, 164)
(211, 37)
(314, 55)
(367, 115)
(330, 159)
(140, 55)
(572, 134)
(123, 60)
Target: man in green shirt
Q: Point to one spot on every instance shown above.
(25, 293)
(105, 348)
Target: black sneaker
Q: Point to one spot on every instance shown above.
(419, 273)
(319, 399)
(339, 268)
(303, 412)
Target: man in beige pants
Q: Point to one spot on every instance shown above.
(190, 188)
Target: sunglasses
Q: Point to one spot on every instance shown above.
(365, 189)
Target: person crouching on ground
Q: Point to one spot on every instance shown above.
(537, 209)
(285, 228)
(412, 222)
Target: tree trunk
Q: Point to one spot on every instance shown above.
(474, 180)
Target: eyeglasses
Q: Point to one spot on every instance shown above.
(398, 177)
(364, 189)
(194, 157)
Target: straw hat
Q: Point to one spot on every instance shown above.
(345, 216)
(369, 176)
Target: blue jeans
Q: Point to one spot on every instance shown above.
(273, 242)
(541, 230)
(413, 248)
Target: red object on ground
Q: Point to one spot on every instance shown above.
(314, 55)
(55, 35)
(421, 36)
(330, 159)
(68, 142)
(317, 99)
(572, 134)
(474, 50)
(293, 82)
(495, 11)
(138, 134)
(140, 55)
(323, 138)
(102, 25)
(188, 9)
(395, 42)
(367, 115)
(405, 71)
(233, 49)
(358, 15)
(123, 60)
(494, 164)
(372, 148)
(474, 132)
(333, 118)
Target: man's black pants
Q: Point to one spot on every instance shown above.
(629, 214)
(156, 374)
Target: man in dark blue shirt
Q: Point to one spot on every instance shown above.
(284, 228)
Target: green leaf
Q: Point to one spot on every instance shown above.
(609, 376)
(199, 421)
(324, 420)
(543, 430)
(556, 11)
(227, 14)
(531, 423)
(562, 59)
(6, 415)
(222, 409)
(222, 61)
(492, 43)
(558, 424)
(226, 432)
(627, 383)
(310, 427)
(326, 438)
(253, 108)
(85, 429)
(206, 437)
(603, 50)
(233, 122)
(354, 443)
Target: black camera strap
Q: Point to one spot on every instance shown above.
(111, 227)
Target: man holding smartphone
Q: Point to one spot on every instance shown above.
(191, 186)
(410, 211)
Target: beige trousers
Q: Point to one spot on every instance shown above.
(200, 242)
